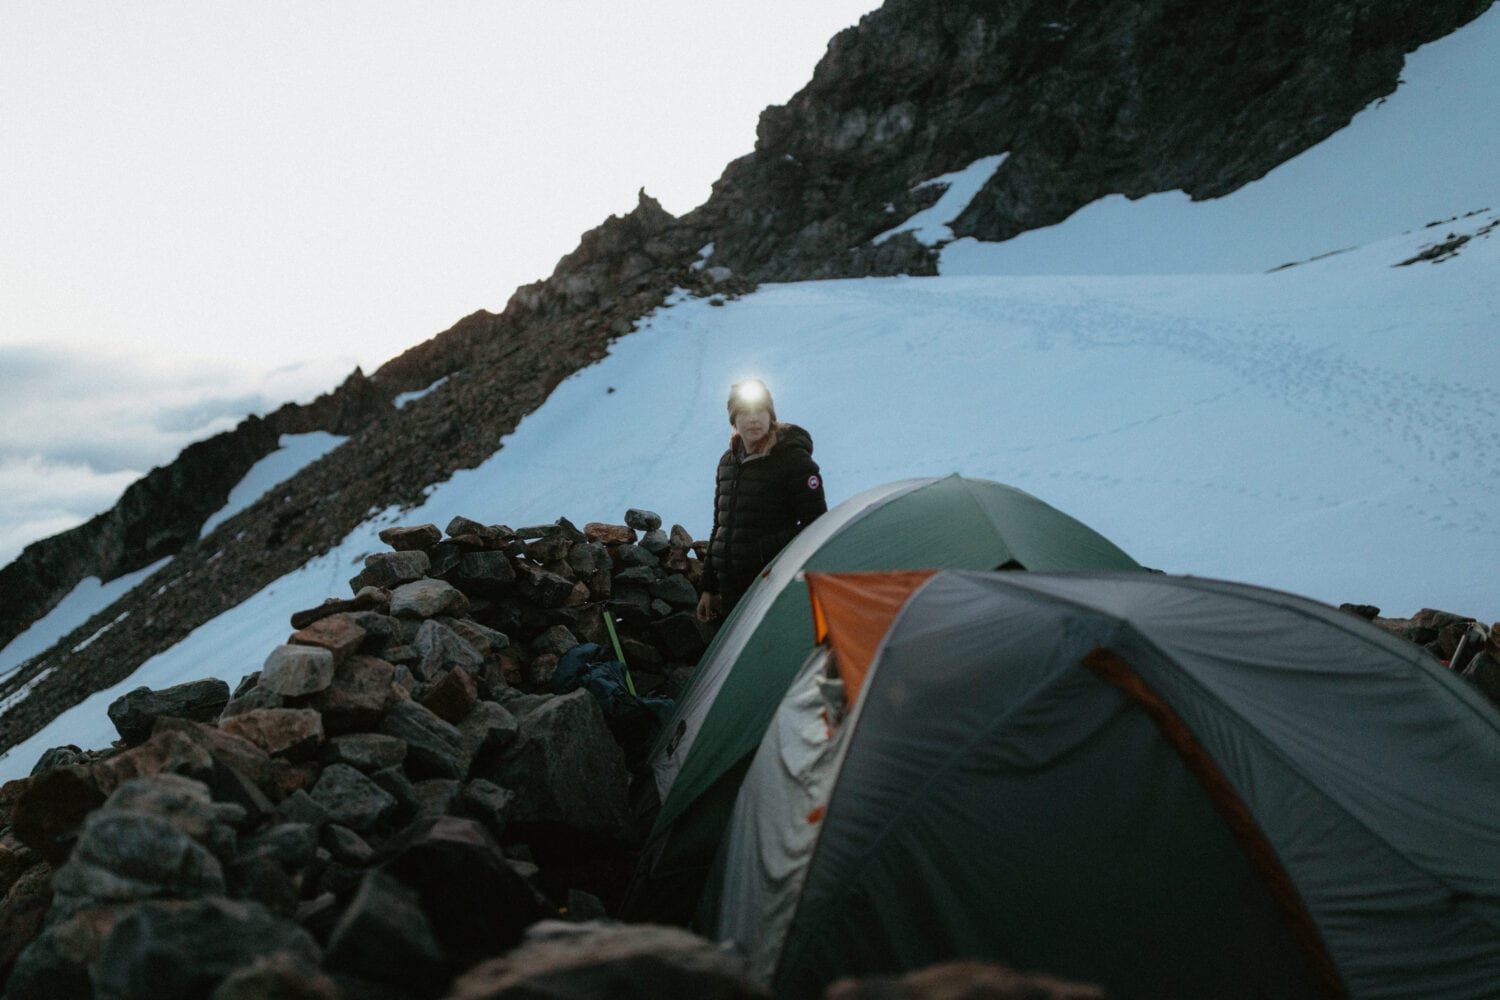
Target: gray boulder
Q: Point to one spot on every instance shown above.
(434, 748)
(170, 950)
(443, 649)
(294, 670)
(388, 570)
(135, 713)
(428, 599)
(351, 799)
(567, 769)
(384, 938)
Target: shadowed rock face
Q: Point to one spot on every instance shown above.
(1088, 98)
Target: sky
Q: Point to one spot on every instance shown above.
(1329, 429)
(211, 209)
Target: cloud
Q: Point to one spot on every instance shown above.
(40, 497)
(79, 426)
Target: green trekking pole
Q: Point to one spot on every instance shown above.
(609, 623)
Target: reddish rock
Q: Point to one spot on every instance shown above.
(337, 633)
(453, 696)
(360, 694)
(53, 806)
(294, 733)
(579, 596)
(568, 959)
(617, 534)
(167, 751)
(22, 912)
(224, 747)
(403, 538)
(963, 980)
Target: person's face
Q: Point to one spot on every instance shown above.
(753, 425)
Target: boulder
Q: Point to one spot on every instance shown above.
(435, 749)
(436, 796)
(384, 938)
(487, 732)
(51, 810)
(347, 846)
(550, 548)
(478, 906)
(365, 599)
(407, 538)
(183, 949)
(635, 555)
(453, 696)
(293, 733)
(23, 910)
(567, 769)
(676, 590)
(557, 640)
(656, 542)
(966, 978)
(443, 649)
(643, 520)
(125, 857)
(351, 799)
(55, 966)
(681, 636)
(609, 534)
(389, 570)
(281, 975)
(583, 961)
(545, 589)
(365, 752)
(339, 634)
(483, 574)
(428, 599)
(361, 692)
(488, 803)
(135, 713)
(170, 751)
(293, 670)
(587, 558)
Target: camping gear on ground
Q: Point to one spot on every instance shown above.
(723, 711)
(633, 720)
(1171, 787)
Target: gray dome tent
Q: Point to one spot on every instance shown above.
(949, 522)
(1170, 787)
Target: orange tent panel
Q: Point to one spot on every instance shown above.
(852, 613)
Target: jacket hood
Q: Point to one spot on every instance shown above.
(787, 436)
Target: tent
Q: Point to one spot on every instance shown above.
(706, 745)
(1169, 787)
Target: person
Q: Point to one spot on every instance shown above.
(768, 488)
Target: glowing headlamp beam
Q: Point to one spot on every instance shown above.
(750, 393)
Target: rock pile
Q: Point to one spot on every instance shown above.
(396, 796)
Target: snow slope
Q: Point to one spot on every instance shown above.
(1329, 429)
(294, 452)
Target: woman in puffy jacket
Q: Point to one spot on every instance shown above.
(768, 489)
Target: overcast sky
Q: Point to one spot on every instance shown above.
(211, 208)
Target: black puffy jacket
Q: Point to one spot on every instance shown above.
(760, 503)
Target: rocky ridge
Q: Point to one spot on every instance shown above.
(1087, 98)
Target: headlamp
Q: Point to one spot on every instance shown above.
(751, 393)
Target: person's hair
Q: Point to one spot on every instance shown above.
(766, 443)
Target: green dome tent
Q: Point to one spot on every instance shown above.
(1169, 787)
(948, 522)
